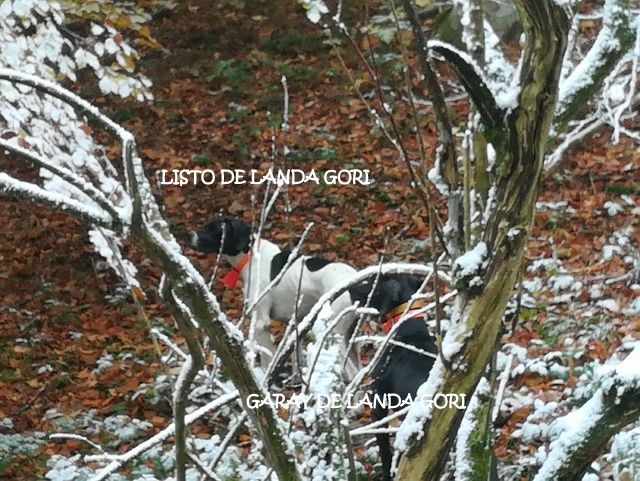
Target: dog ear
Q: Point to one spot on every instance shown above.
(360, 292)
(390, 295)
(387, 295)
(414, 283)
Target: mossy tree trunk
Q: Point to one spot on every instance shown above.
(524, 137)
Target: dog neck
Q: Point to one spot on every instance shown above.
(235, 260)
(412, 308)
(239, 262)
(237, 267)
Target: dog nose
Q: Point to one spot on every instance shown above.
(194, 239)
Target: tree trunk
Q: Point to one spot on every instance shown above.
(546, 27)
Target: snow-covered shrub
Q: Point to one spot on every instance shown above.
(34, 40)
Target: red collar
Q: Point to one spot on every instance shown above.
(396, 313)
(231, 278)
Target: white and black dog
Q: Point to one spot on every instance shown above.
(400, 371)
(310, 276)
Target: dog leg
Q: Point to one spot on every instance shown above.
(384, 443)
(264, 343)
(260, 341)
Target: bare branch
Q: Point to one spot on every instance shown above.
(472, 78)
(449, 169)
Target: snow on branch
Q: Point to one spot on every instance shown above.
(225, 338)
(613, 41)
(116, 461)
(388, 339)
(446, 151)
(59, 92)
(150, 232)
(426, 435)
(35, 37)
(190, 368)
(607, 76)
(183, 275)
(616, 92)
(412, 429)
(88, 183)
(65, 174)
(19, 188)
(579, 132)
(586, 430)
(472, 20)
(499, 71)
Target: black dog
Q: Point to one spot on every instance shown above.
(401, 371)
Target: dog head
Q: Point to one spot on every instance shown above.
(237, 236)
(390, 291)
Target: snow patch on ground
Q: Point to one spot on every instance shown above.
(609, 304)
(613, 208)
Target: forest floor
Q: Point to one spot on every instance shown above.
(74, 346)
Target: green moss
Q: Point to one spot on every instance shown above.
(480, 452)
(202, 159)
(623, 189)
(293, 42)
